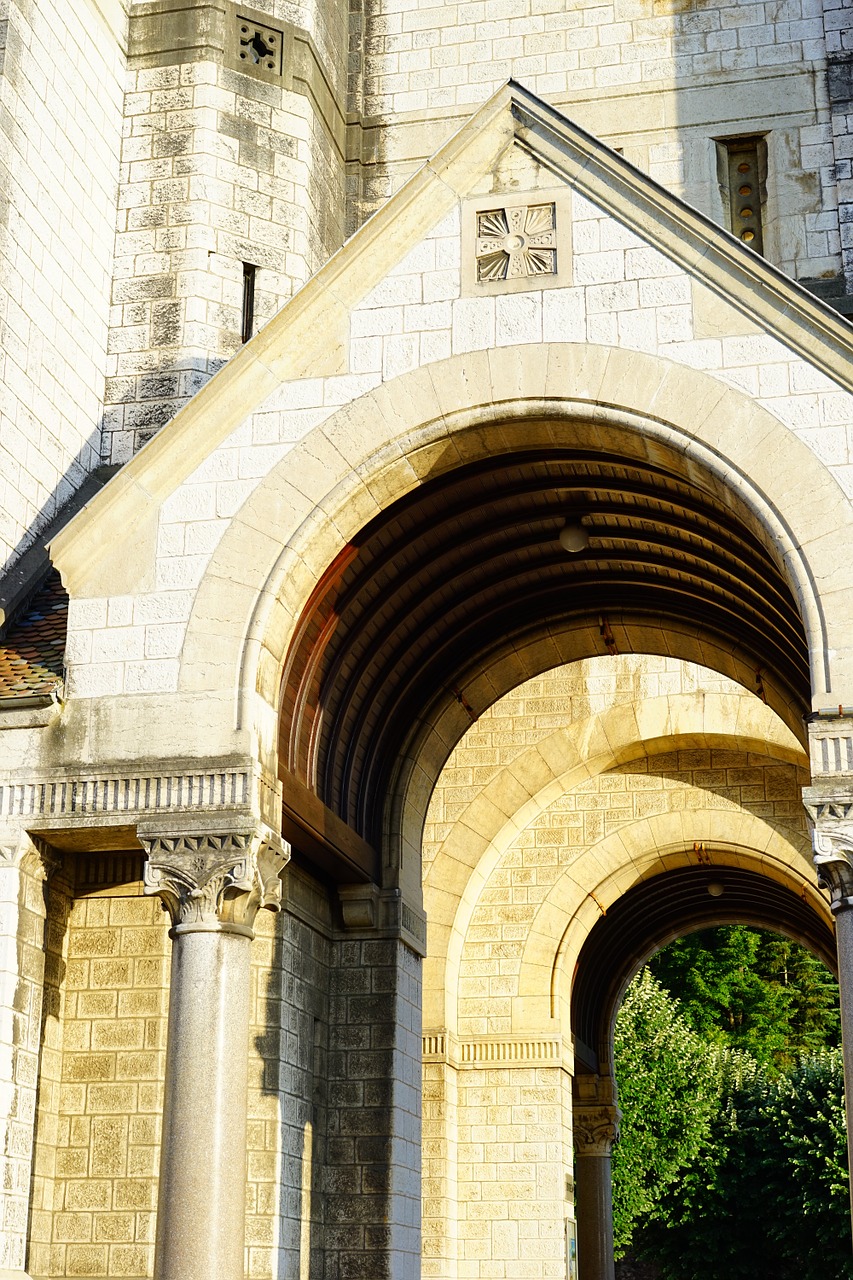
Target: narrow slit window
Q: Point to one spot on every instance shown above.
(249, 271)
(742, 169)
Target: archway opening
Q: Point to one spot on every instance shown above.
(730, 1093)
(448, 600)
(462, 590)
(668, 906)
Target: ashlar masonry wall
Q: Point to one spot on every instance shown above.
(498, 1084)
(61, 94)
(228, 159)
(334, 1054)
(622, 294)
(659, 80)
(101, 1099)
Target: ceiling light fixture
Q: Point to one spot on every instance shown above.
(573, 536)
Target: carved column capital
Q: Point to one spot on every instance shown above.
(833, 859)
(214, 880)
(595, 1129)
(829, 805)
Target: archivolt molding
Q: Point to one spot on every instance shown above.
(596, 878)
(541, 774)
(381, 446)
(639, 851)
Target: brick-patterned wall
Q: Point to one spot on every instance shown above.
(218, 168)
(372, 1180)
(658, 80)
(291, 958)
(514, 1155)
(61, 84)
(22, 913)
(538, 707)
(624, 294)
(99, 1122)
(440, 1185)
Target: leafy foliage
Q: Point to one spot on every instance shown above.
(732, 1163)
(766, 1196)
(667, 1096)
(752, 990)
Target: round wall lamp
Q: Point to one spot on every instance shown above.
(573, 536)
(716, 889)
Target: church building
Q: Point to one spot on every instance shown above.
(426, 589)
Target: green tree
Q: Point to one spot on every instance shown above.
(752, 990)
(668, 1091)
(765, 1197)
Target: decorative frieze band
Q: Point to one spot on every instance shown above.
(138, 793)
(506, 1051)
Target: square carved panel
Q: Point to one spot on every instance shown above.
(514, 242)
(259, 48)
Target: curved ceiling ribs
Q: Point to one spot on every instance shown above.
(469, 566)
(668, 906)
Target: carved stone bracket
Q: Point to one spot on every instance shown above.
(29, 853)
(215, 880)
(370, 912)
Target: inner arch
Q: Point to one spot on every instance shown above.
(461, 590)
(663, 908)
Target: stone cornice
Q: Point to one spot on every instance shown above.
(100, 809)
(123, 793)
(483, 1052)
(212, 879)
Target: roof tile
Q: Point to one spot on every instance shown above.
(32, 655)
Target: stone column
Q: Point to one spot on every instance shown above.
(212, 885)
(596, 1127)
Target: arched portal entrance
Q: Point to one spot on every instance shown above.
(628, 785)
(644, 919)
(442, 605)
(459, 591)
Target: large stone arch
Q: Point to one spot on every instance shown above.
(481, 835)
(381, 446)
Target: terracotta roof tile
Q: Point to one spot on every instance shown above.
(32, 653)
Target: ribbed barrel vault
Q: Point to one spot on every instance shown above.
(462, 590)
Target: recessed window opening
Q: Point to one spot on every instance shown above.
(742, 174)
(249, 272)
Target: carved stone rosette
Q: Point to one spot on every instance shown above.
(215, 880)
(595, 1129)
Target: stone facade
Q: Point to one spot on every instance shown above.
(480, 596)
